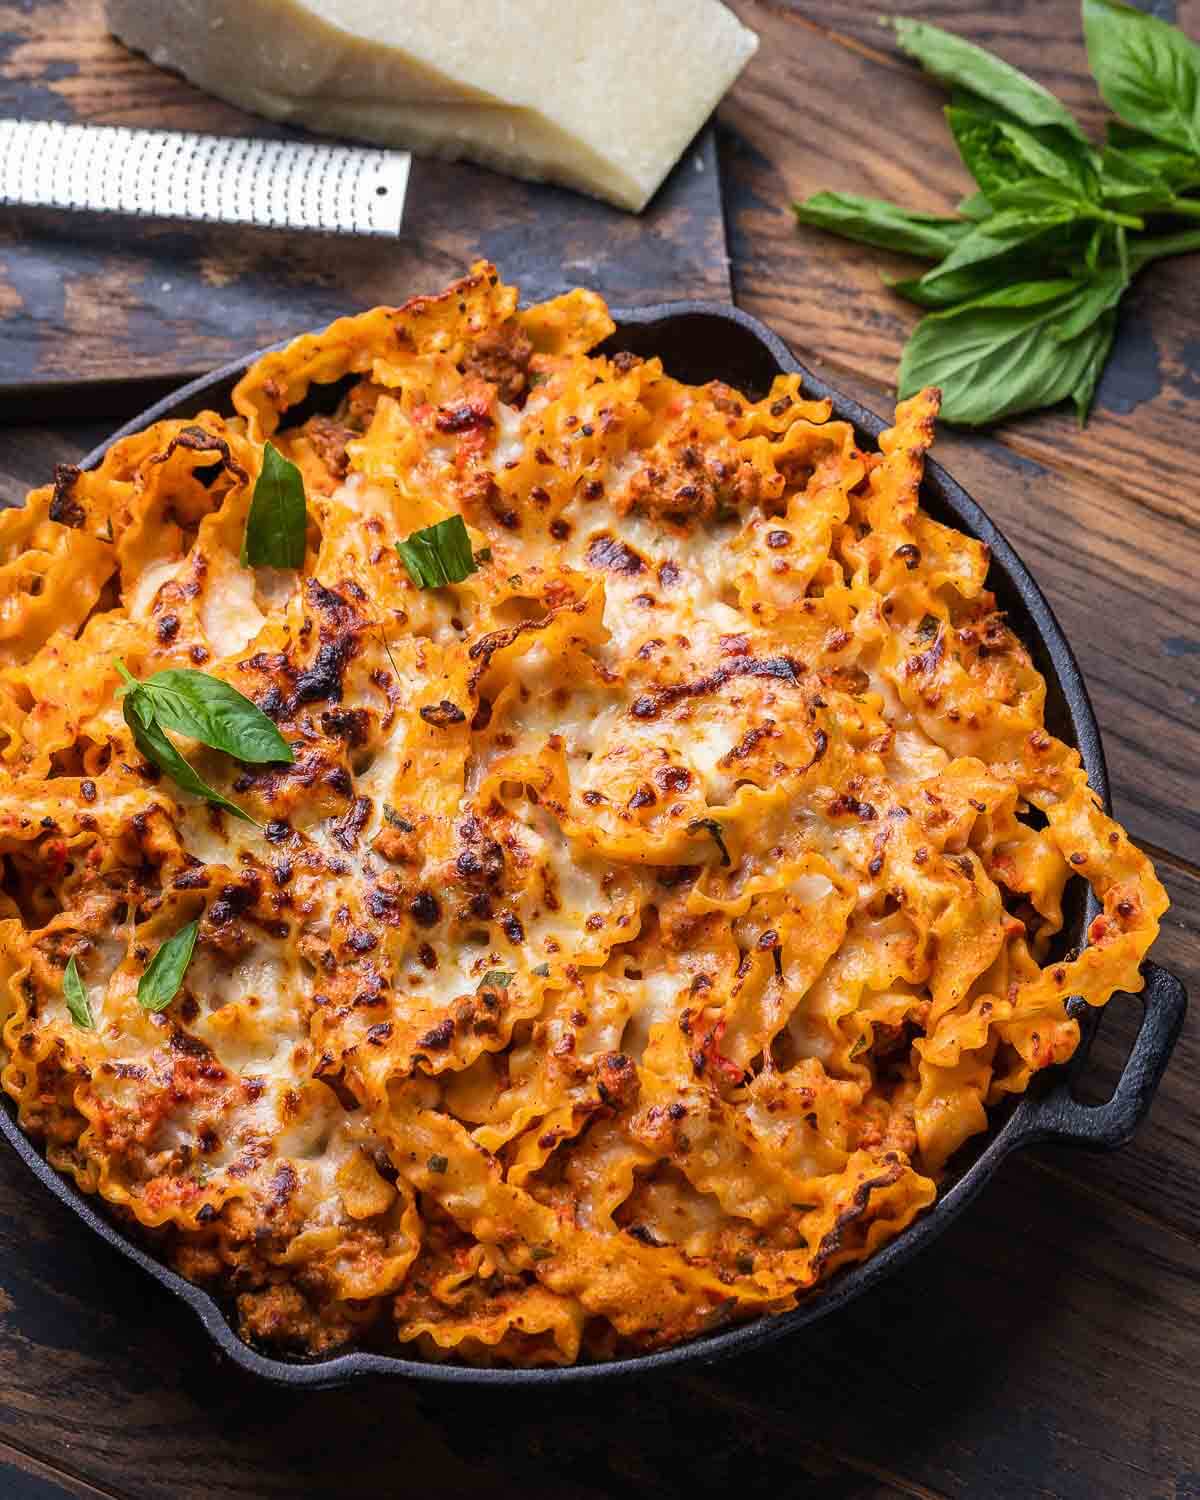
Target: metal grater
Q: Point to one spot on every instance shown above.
(170, 174)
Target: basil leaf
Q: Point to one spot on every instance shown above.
(1136, 187)
(997, 235)
(1101, 344)
(957, 61)
(975, 207)
(1054, 154)
(1037, 197)
(1153, 247)
(1095, 299)
(1091, 257)
(439, 554)
(158, 749)
(216, 714)
(992, 357)
(277, 523)
(983, 149)
(1056, 250)
(1124, 176)
(159, 985)
(76, 997)
(1000, 154)
(499, 979)
(1180, 168)
(1041, 199)
(1027, 294)
(872, 221)
(935, 291)
(1147, 71)
(913, 289)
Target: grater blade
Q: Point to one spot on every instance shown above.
(215, 179)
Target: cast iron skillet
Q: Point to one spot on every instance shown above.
(700, 341)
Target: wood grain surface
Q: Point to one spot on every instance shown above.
(88, 298)
(1049, 1344)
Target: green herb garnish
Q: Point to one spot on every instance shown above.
(159, 985)
(208, 710)
(438, 1164)
(714, 831)
(216, 714)
(277, 523)
(498, 979)
(158, 749)
(1029, 273)
(76, 997)
(439, 554)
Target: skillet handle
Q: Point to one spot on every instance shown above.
(1059, 1116)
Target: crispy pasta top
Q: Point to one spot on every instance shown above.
(642, 921)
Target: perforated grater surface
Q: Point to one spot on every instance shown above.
(220, 179)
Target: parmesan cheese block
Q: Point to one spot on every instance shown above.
(603, 97)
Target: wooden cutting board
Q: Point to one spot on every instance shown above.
(91, 299)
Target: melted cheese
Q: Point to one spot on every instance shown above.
(645, 919)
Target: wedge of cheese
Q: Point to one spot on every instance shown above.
(602, 95)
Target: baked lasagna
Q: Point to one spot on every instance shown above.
(650, 880)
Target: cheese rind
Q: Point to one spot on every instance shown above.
(602, 97)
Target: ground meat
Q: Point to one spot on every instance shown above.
(329, 439)
(397, 845)
(685, 493)
(617, 1080)
(198, 1261)
(358, 408)
(281, 1315)
(501, 357)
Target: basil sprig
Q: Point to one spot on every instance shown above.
(1029, 274)
(438, 554)
(216, 714)
(163, 975)
(76, 997)
(207, 709)
(277, 523)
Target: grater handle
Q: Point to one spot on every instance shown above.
(170, 174)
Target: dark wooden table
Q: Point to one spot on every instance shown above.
(1049, 1344)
